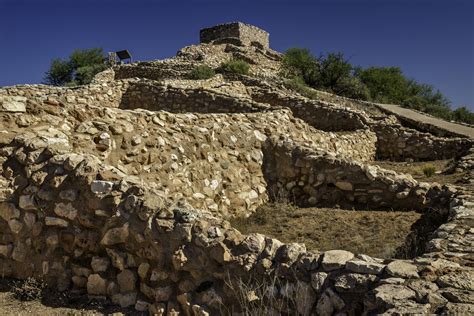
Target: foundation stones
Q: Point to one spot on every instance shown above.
(335, 259)
(402, 269)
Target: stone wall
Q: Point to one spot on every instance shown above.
(213, 161)
(319, 114)
(314, 178)
(155, 71)
(105, 94)
(247, 34)
(418, 125)
(151, 96)
(66, 223)
(398, 143)
(394, 141)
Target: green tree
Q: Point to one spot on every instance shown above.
(462, 114)
(299, 62)
(385, 84)
(333, 73)
(79, 69)
(59, 73)
(336, 74)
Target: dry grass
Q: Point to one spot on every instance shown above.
(28, 290)
(265, 296)
(417, 170)
(376, 233)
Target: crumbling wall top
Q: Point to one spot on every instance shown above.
(245, 34)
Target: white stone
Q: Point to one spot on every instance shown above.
(402, 269)
(12, 104)
(336, 259)
(261, 137)
(101, 187)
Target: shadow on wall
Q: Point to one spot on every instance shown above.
(305, 178)
(177, 100)
(312, 178)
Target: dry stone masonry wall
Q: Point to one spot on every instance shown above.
(397, 143)
(120, 189)
(139, 250)
(311, 178)
(246, 34)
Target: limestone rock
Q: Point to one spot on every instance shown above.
(463, 280)
(115, 235)
(54, 221)
(8, 211)
(360, 266)
(391, 295)
(65, 210)
(100, 264)
(96, 285)
(328, 303)
(402, 269)
(353, 282)
(126, 281)
(317, 280)
(254, 243)
(101, 187)
(27, 202)
(336, 259)
(12, 104)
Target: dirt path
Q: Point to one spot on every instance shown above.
(417, 116)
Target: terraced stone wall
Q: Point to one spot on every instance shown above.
(104, 94)
(399, 143)
(156, 97)
(155, 71)
(65, 224)
(319, 178)
(321, 115)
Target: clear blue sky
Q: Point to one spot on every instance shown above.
(432, 41)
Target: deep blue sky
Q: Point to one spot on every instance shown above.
(432, 41)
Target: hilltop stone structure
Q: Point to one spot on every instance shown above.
(237, 32)
(122, 190)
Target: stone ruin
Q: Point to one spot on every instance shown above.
(121, 189)
(236, 32)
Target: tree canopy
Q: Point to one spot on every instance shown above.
(80, 68)
(334, 73)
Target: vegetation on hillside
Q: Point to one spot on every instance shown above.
(334, 73)
(202, 72)
(80, 68)
(235, 66)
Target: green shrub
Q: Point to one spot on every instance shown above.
(462, 114)
(79, 69)
(300, 63)
(297, 84)
(236, 66)
(334, 73)
(429, 170)
(202, 72)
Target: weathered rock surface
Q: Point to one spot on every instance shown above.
(119, 189)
